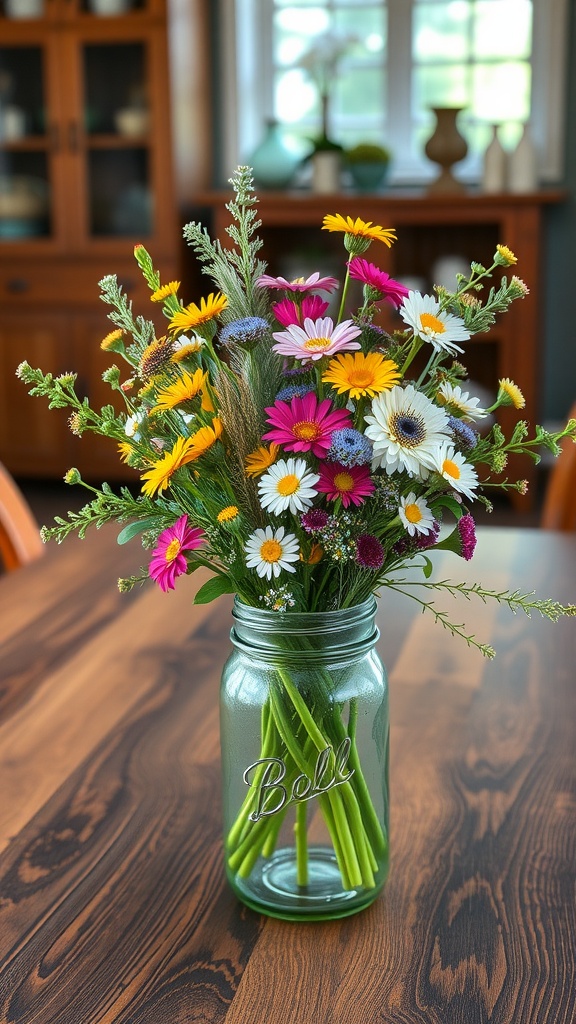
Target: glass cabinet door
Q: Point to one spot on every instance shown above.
(25, 149)
(117, 133)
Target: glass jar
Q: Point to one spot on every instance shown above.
(304, 737)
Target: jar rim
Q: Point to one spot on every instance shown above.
(265, 619)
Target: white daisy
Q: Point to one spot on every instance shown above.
(459, 401)
(133, 424)
(406, 429)
(287, 485)
(415, 515)
(184, 346)
(270, 551)
(424, 315)
(452, 465)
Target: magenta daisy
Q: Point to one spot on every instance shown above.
(289, 312)
(316, 338)
(352, 484)
(304, 424)
(299, 284)
(370, 274)
(168, 558)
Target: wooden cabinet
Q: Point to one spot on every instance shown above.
(429, 228)
(85, 173)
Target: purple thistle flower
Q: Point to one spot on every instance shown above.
(314, 520)
(288, 393)
(428, 540)
(462, 433)
(369, 552)
(467, 531)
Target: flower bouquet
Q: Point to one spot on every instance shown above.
(309, 462)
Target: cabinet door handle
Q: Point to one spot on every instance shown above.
(17, 285)
(73, 136)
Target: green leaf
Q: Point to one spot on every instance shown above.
(133, 529)
(448, 502)
(427, 568)
(213, 588)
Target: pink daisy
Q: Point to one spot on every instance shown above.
(350, 483)
(316, 338)
(304, 424)
(371, 275)
(288, 312)
(314, 282)
(168, 558)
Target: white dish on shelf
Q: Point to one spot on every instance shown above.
(132, 121)
(24, 8)
(109, 8)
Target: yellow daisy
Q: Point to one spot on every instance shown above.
(204, 438)
(509, 394)
(155, 358)
(159, 476)
(110, 342)
(363, 229)
(125, 450)
(162, 293)
(185, 347)
(183, 390)
(360, 374)
(193, 315)
(227, 514)
(504, 256)
(260, 460)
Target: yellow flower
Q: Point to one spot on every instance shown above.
(193, 315)
(504, 256)
(162, 293)
(227, 514)
(110, 342)
(186, 347)
(315, 555)
(363, 230)
(204, 438)
(155, 358)
(125, 450)
(361, 374)
(509, 394)
(159, 476)
(183, 390)
(261, 459)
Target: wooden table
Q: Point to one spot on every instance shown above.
(113, 903)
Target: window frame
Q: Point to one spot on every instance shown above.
(245, 58)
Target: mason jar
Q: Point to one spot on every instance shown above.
(304, 740)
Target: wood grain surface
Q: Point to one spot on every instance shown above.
(113, 904)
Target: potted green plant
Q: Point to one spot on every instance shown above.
(368, 164)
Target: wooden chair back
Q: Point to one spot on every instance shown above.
(20, 541)
(559, 508)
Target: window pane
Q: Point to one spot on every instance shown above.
(360, 93)
(296, 97)
(503, 28)
(440, 31)
(501, 92)
(445, 86)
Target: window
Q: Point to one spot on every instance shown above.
(389, 62)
